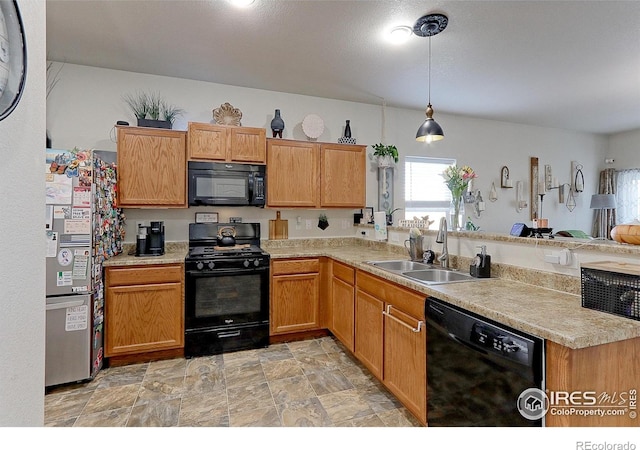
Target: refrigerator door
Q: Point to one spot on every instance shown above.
(69, 271)
(68, 339)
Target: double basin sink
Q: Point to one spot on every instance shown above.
(422, 273)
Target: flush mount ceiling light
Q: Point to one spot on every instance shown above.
(400, 34)
(241, 3)
(427, 26)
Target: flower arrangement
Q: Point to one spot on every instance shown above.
(457, 179)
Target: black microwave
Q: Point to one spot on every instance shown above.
(226, 184)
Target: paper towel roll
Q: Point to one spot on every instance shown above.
(380, 225)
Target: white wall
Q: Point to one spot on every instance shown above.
(22, 137)
(624, 149)
(87, 102)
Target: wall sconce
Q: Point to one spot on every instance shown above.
(520, 202)
(577, 177)
(571, 200)
(493, 195)
(549, 181)
(505, 182)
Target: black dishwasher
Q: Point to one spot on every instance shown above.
(477, 369)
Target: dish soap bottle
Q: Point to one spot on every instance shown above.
(481, 265)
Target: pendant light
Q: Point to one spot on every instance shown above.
(427, 26)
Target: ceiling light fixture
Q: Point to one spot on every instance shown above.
(400, 34)
(241, 3)
(427, 26)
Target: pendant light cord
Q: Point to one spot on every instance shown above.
(429, 72)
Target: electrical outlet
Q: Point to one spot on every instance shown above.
(308, 224)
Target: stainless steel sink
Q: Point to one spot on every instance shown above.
(399, 266)
(438, 276)
(422, 273)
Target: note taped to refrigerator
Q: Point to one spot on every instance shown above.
(77, 226)
(81, 213)
(58, 189)
(61, 212)
(52, 244)
(82, 196)
(77, 318)
(64, 278)
(79, 269)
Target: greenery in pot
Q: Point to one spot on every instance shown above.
(150, 105)
(382, 151)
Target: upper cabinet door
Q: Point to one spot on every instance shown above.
(248, 145)
(292, 173)
(342, 184)
(152, 167)
(207, 141)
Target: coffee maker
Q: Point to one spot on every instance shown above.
(150, 239)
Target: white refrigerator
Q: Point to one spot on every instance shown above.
(84, 227)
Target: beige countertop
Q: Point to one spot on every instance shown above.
(551, 314)
(174, 253)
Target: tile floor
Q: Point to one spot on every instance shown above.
(313, 383)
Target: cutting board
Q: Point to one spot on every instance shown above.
(278, 229)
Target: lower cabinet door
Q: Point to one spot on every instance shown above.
(369, 332)
(143, 318)
(342, 311)
(295, 303)
(405, 360)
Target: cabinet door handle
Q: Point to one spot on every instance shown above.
(415, 330)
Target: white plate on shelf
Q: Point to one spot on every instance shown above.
(313, 126)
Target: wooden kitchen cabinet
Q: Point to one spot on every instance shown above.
(226, 143)
(152, 169)
(342, 176)
(144, 309)
(343, 303)
(393, 345)
(295, 295)
(315, 175)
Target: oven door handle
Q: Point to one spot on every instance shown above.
(235, 271)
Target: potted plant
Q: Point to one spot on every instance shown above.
(387, 155)
(151, 110)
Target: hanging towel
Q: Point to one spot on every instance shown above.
(380, 225)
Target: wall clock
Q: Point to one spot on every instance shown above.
(13, 57)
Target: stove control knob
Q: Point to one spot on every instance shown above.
(211, 265)
(246, 263)
(200, 265)
(256, 262)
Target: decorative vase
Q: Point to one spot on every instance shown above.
(347, 130)
(347, 139)
(456, 213)
(277, 124)
(154, 123)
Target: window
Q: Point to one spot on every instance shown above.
(424, 190)
(628, 196)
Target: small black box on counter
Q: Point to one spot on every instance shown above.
(611, 287)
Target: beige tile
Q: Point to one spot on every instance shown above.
(120, 376)
(204, 382)
(240, 358)
(247, 373)
(111, 418)
(285, 368)
(366, 421)
(345, 405)
(112, 398)
(156, 390)
(66, 405)
(328, 381)
(249, 396)
(398, 418)
(303, 413)
(204, 364)
(312, 363)
(208, 410)
(275, 352)
(290, 389)
(300, 349)
(170, 368)
(379, 398)
(259, 417)
(158, 414)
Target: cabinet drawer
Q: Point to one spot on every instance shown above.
(122, 276)
(292, 266)
(401, 298)
(343, 272)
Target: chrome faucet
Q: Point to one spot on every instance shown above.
(441, 238)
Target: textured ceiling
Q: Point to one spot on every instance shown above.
(572, 65)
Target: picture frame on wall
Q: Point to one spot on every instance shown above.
(367, 214)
